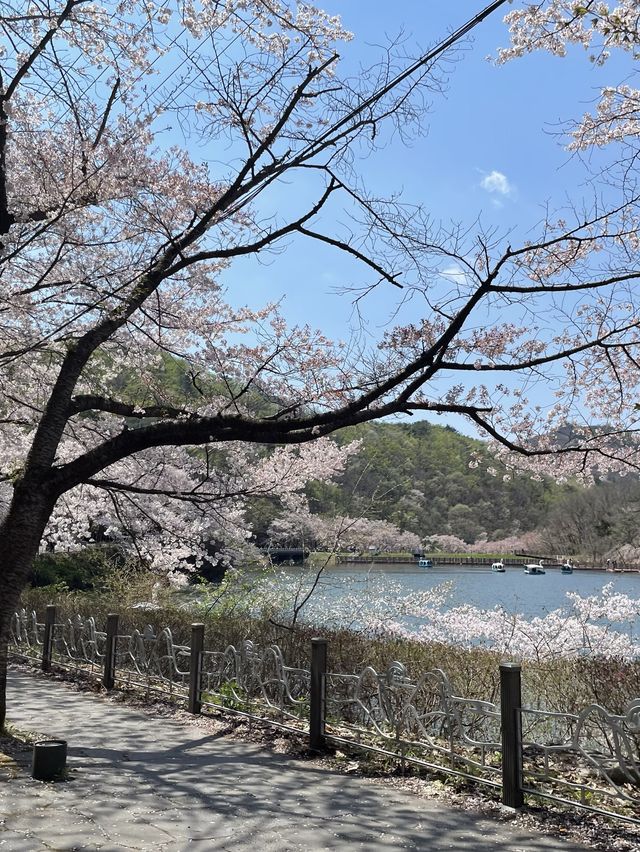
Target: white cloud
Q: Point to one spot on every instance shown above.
(496, 182)
(455, 274)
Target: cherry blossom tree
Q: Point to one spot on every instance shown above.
(591, 625)
(114, 237)
(340, 533)
(171, 526)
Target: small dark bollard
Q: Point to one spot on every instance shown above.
(49, 759)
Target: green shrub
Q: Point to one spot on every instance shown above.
(83, 569)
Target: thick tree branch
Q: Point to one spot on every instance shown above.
(83, 403)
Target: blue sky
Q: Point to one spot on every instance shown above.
(492, 151)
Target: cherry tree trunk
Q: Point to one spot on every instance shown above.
(20, 535)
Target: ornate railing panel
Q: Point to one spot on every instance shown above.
(256, 682)
(592, 758)
(26, 634)
(152, 660)
(78, 644)
(418, 720)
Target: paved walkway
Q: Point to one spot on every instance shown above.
(144, 783)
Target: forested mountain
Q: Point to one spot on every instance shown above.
(417, 476)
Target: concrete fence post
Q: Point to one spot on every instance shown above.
(317, 701)
(510, 705)
(195, 668)
(47, 642)
(109, 673)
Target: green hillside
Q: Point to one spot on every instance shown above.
(417, 476)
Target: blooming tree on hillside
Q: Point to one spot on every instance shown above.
(299, 526)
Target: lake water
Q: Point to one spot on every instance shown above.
(514, 591)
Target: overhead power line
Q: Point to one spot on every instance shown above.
(422, 62)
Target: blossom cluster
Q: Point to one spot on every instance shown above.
(603, 625)
(341, 533)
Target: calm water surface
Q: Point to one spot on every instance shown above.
(515, 591)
